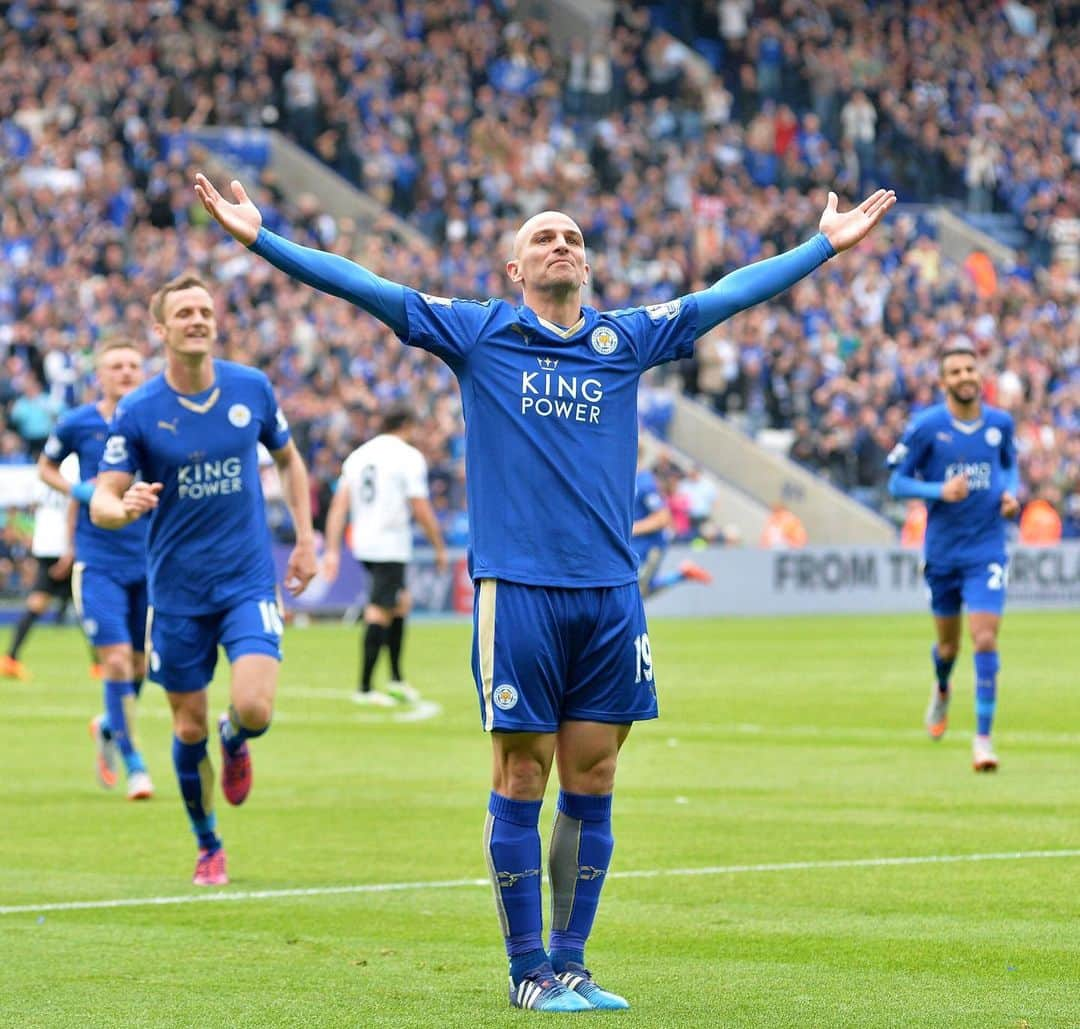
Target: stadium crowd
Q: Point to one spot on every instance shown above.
(462, 118)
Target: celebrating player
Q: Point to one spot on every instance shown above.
(383, 485)
(561, 652)
(109, 577)
(193, 434)
(960, 458)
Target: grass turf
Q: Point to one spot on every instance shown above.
(787, 744)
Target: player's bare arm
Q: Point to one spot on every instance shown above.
(50, 474)
(424, 514)
(1010, 506)
(335, 531)
(118, 499)
(241, 220)
(302, 564)
(654, 522)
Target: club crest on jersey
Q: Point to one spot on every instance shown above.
(604, 341)
(505, 696)
(993, 436)
(240, 415)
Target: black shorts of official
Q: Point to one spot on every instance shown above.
(386, 581)
(45, 583)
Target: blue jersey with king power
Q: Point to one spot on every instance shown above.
(209, 545)
(120, 553)
(550, 429)
(647, 501)
(938, 446)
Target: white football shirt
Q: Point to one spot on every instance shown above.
(51, 537)
(382, 476)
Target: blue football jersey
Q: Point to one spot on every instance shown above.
(647, 500)
(208, 543)
(122, 553)
(550, 429)
(938, 446)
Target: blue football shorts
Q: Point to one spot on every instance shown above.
(183, 649)
(111, 612)
(543, 655)
(978, 586)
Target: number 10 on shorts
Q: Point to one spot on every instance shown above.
(643, 658)
(271, 618)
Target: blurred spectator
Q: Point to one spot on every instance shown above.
(1040, 524)
(913, 531)
(700, 495)
(783, 530)
(464, 118)
(34, 414)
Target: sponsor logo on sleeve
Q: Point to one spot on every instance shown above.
(664, 312)
(897, 454)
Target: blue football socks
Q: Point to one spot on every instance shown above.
(942, 669)
(119, 696)
(986, 669)
(196, 778)
(233, 733)
(512, 843)
(581, 848)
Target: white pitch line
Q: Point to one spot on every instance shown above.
(447, 884)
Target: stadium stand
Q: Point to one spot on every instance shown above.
(683, 159)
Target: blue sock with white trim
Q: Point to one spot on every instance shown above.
(987, 665)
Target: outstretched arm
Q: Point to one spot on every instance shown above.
(906, 487)
(330, 273)
(757, 282)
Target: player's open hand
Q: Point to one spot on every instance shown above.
(241, 220)
(844, 230)
(1010, 506)
(139, 498)
(331, 566)
(301, 568)
(954, 489)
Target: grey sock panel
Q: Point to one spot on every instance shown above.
(563, 868)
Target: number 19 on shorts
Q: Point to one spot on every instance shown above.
(643, 658)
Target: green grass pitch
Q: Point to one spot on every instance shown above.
(751, 884)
